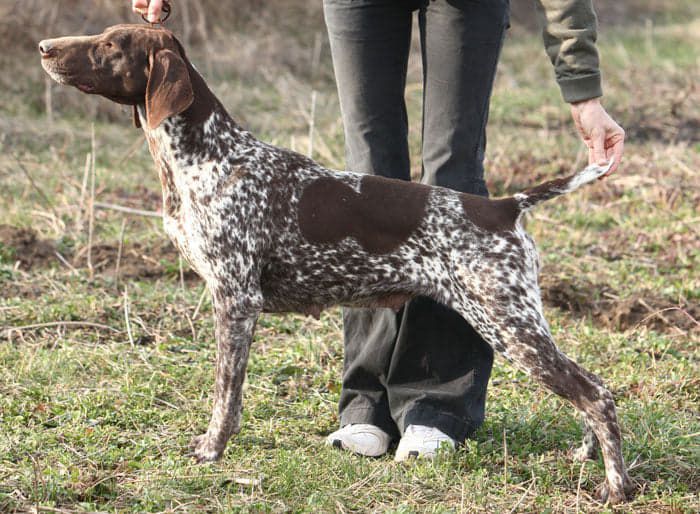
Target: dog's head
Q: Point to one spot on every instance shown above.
(129, 64)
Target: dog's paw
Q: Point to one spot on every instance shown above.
(613, 496)
(204, 449)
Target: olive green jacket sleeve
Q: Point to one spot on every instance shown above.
(569, 33)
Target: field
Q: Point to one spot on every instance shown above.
(106, 337)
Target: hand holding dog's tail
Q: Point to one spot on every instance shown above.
(535, 195)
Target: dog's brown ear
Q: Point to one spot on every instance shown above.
(169, 90)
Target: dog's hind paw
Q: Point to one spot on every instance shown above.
(613, 496)
(204, 449)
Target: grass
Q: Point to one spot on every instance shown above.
(92, 419)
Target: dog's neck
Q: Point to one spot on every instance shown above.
(197, 150)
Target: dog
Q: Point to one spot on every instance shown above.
(270, 230)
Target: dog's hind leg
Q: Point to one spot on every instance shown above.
(590, 446)
(588, 394)
(516, 327)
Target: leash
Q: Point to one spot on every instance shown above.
(166, 12)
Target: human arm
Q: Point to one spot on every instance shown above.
(569, 34)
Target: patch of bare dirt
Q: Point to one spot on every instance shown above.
(137, 197)
(673, 251)
(17, 289)
(23, 245)
(601, 303)
(668, 113)
(137, 261)
(642, 128)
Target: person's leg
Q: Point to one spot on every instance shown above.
(370, 42)
(461, 42)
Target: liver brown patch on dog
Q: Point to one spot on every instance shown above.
(380, 217)
(490, 215)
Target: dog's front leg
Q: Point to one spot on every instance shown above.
(235, 324)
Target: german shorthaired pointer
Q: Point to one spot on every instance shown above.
(272, 231)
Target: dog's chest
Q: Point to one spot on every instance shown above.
(189, 219)
(190, 202)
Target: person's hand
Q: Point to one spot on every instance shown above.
(152, 10)
(604, 138)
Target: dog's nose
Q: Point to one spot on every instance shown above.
(46, 48)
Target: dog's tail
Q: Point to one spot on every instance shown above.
(535, 195)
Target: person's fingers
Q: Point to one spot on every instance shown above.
(598, 146)
(615, 152)
(155, 8)
(140, 6)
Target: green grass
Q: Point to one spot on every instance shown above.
(91, 420)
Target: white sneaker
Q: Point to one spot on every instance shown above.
(361, 438)
(422, 441)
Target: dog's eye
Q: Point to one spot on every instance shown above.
(108, 45)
